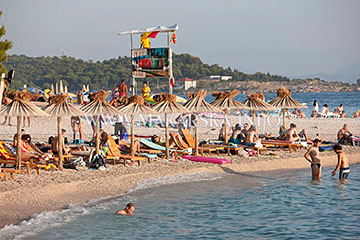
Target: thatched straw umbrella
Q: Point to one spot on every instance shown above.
(97, 107)
(225, 101)
(59, 107)
(21, 107)
(135, 106)
(256, 102)
(167, 104)
(285, 101)
(197, 104)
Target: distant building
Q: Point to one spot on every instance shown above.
(187, 83)
(218, 78)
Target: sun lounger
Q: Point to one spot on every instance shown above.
(115, 154)
(190, 143)
(281, 143)
(152, 145)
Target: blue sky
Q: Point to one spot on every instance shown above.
(288, 37)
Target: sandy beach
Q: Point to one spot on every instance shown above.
(29, 195)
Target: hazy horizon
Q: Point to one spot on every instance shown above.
(291, 38)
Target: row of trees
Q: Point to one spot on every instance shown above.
(41, 72)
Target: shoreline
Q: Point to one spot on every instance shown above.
(22, 203)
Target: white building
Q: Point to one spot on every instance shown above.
(189, 83)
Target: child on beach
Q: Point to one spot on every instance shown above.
(128, 210)
(312, 155)
(343, 163)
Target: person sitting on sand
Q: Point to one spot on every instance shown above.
(344, 135)
(325, 109)
(293, 136)
(312, 155)
(301, 114)
(295, 112)
(128, 210)
(343, 163)
(55, 145)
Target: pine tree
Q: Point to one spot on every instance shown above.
(4, 46)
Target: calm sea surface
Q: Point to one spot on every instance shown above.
(351, 100)
(272, 205)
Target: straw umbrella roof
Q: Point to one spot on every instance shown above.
(285, 101)
(135, 106)
(167, 104)
(98, 106)
(255, 102)
(21, 106)
(224, 100)
(60, 107)
(198, 104)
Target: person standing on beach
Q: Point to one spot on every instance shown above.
(343, 163)
(312, 155)
(123, 90)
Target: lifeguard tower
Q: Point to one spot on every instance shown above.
(150, 62)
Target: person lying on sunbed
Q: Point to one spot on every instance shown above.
(157, 139)
(235, 138)
(15, 137)
(47, 146)
(125, 147)
(128, 210)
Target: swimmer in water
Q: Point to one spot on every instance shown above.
(343, 163)
(128, 210)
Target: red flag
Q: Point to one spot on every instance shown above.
(153, 34)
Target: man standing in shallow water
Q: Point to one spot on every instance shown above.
(343, 163)
(312, 155)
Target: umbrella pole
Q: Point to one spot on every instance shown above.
(254, 118)
(284, 118)
(60, 143)
(196, 135)
(132, 135)
(226, 141)
(18, 145)
(167, 136)
(98, 134)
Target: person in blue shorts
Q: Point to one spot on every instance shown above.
(343, 163)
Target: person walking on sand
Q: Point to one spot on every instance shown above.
(343, 163)
(128, 210)
(312, 155)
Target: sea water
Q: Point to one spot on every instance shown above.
(233, 205)
(351, 100)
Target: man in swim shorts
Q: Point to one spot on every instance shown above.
(128, 210)
(343, 163)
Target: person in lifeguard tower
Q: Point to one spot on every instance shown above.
(145, 41)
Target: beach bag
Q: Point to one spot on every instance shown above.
(97, 161)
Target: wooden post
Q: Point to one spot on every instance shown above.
(60, 143)
(18, 145)
(226, 141)
(284, 118)
(132, 135)
(254, 118)
(167, 136)
(2, 83)
(196, 134)
(97, 134)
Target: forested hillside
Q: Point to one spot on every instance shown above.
(43, 71)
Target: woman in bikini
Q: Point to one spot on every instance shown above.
(312, 155)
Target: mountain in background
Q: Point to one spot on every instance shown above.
(348, 74)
